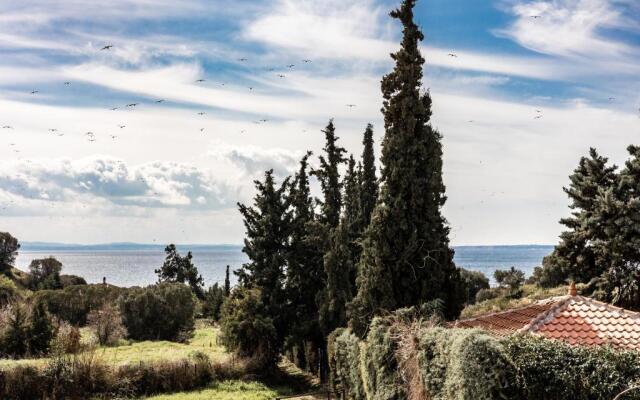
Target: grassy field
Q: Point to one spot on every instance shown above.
(229, 390)
(204, 340)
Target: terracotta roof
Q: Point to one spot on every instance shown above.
(572, 319)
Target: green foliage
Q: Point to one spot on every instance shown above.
(212, 302)
(9, 247)
(593, 184)
(8, 291)
(554, 370)
(329, 176)
(475, 282)
(71, 280)
(463, 364)
(247, 327)
(406, 259)
(368, 180)
(45, 274)
(227, 283)
(379, 365)
(268, 225)
(177, 268)
(74, 303)
(40, 330)
(344, 363)
(15, 333)
(511, 279)
(159, 312)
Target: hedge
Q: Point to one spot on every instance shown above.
(461, 364)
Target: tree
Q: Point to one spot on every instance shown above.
(212, 302)
(16, 335)
(9, 247)
(511, 279)
(616, 242)
(573, 257)
(45, 274)
(227, 283)
(177, 268)
(305, 276)
(40, 330)
(342, 257)
(368, 180)
(247, 327)
(268, 225)
(329, 176)
(475, 281)
(406, 258)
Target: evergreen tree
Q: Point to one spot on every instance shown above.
(213, 299)
(406, 257)
(9, 247)
(329, 176)
(305, 274)
(341, 258)
(573, 258)
(268, 225)
(368, 179)
(16, 335)
(177, 268)
(616, 242)
(227, 283)
(40, 330)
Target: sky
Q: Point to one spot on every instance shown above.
(225, 90)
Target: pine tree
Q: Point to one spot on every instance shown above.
(406, 258)
(227, 283)
(341, 258)
(268, 224)
(368, 179)
(177, 268)
(573, 258)
(40, 330)
(329, 176)
(305, 274)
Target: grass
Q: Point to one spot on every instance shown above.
(530, 294)
(204, 340)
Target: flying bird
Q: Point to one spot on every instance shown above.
(250, 88)
(34, 92)
(264, 120)
(535, 16)
(67, 83)
(107, 47)
(537, 117)
(306, 61)
(132, 105)
(7, 127)
(452, 55)
(351, 105)
(113, 136)
(114, 108)
(121, 126)
(53, 130)
(201, 113)
(280, 76)
(201, 129)
(291, 66)
(242, 59)
(200, 80)
(612, 98)
(538, 111)
(160, 101)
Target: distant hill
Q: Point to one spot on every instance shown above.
(123, 246)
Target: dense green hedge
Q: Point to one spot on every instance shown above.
(461, 364)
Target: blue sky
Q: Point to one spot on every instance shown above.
(74, 170)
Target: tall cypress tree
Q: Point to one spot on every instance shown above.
(573, 257)
(305, 274)
(268, 224)
(341, 258)
(329, 176)
(368, 179)
(406, 257)
(227, 283)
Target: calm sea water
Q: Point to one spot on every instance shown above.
(130, 265)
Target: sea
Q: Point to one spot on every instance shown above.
(127, 264)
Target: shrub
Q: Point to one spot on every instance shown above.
(212, 302)
(555, 370)
(379, 365)
(8, 291)
(71, 280)
(475, 281)
(344, 362)
(106, 325)
(16, 331)
(159, 312)
(67, 338)
(246, 327)
(74, 303)
(488, 294)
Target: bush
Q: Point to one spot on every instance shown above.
(8, 291)
(67, 339)
(106, 325)
(488, 294)
(45, 274)
(246, 327)
(475, 281)
(74, 303)
(554, 370)
(15, 332)
(159, 312)
(71, 280)
(379, 365)
(344, 363)
(40, 330)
